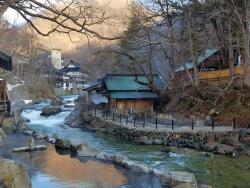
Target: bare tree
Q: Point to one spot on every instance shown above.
(65, 16)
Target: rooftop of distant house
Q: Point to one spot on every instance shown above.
(202, 57)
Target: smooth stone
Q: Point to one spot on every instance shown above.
(28, 149)
(49, 111)
(105, 156)
(51, 140)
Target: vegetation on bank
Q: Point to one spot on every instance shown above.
(223, 102)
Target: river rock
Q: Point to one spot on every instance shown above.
(63, 144)
(134, 166)
(240, 148)
(9, 125)
(39, 135)
(105, 156)
(13, 175)
(51, 140)
(157, 141)
(175, 178)
(231, 141)
(49, 111)
(119, 159)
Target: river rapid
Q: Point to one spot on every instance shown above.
(50, 169)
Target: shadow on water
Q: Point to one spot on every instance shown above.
(59, 169)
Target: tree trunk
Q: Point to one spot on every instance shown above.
(193, 58)
(230, 50)
(5, 6)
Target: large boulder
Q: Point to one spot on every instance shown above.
(49, 111)
(8, 124)
(231, 141)
(13, 175)
(63, 144)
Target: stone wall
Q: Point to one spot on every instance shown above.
(226, 142)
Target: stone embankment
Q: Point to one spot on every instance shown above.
(226, 143)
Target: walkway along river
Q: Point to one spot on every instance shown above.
(48, 171)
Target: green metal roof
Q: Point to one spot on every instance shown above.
(132, 95)
(130, 82)
(206, 54)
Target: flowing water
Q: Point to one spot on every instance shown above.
(62, 171)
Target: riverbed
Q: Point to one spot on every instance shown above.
(220, 171)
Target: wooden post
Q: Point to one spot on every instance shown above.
(156, 123)
(234, 124)
(134, 121)
(113, 118)
(144, 121)
(172, 124)
(120, 118)
(192, 124)
(213, 123)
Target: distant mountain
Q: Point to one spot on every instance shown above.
(119, 12)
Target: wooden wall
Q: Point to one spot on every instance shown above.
(221, 73)
(137, 105)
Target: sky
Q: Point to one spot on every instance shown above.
(13, 17)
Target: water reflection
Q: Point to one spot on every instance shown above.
(49, 169)
(95, 173)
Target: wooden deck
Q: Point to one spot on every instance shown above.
(221, 77)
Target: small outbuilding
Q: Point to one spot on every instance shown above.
(128, 92)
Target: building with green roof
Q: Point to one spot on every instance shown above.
(129, 92)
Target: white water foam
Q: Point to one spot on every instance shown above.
(36, 119)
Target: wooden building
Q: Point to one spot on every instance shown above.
(6, 64)
(71, 77)
(211, 68)
(128, 92)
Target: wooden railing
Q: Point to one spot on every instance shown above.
(219, 77)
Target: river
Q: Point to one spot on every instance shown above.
(50, 169)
